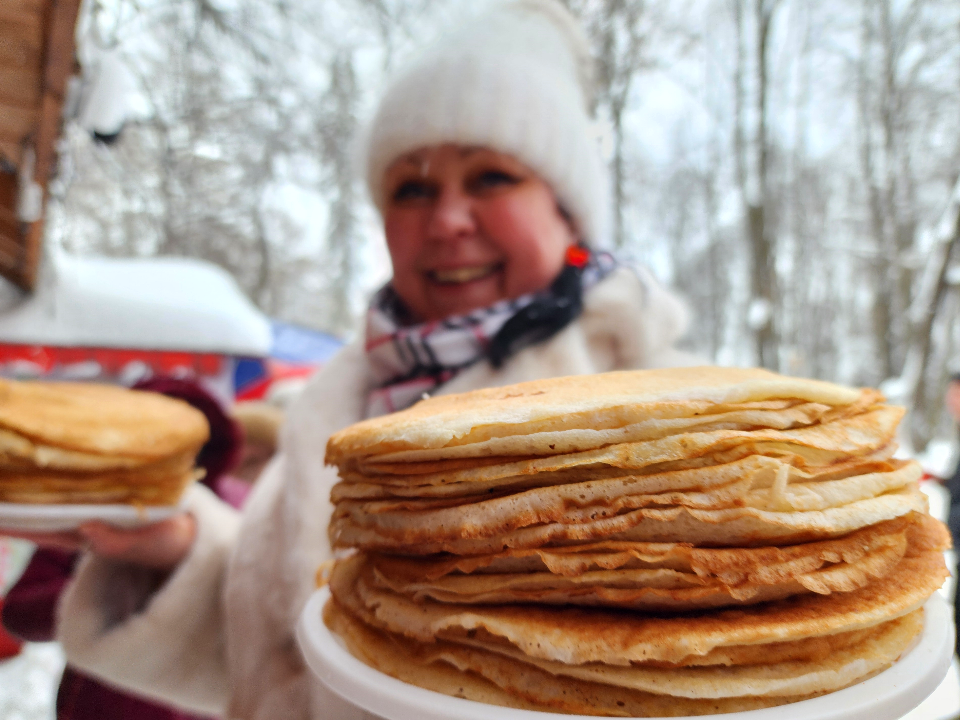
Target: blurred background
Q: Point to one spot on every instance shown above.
(787, 164)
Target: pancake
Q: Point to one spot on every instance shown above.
(580, 635)
(730, 527)
(75, 443)
(647, 590)
(155, 484)
(877, 650)
(710, 578)
(650, 543)
(823, 444)
(18, 452)
(731, 566)
(497, 680)
(725, 486)
(355, 486)
(552, 406)
(100, 420)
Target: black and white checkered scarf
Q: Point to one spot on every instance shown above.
(410, 360)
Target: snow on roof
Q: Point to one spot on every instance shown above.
(157, 303)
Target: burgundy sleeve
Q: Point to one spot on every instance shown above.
(29, 608)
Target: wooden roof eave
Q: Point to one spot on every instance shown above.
(20, 242)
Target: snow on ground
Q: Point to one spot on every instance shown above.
(28, 682)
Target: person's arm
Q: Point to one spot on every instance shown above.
(161, 545)
(221, 626)
(29, 606)
(130, 619)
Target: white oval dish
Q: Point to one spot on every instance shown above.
(59, 518)
(886, 696)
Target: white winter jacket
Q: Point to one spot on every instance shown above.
(217, 635)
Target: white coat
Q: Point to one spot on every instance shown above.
(216, 636)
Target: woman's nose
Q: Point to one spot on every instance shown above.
(452, 215)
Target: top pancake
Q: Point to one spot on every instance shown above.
(101, 420)
(473, 422)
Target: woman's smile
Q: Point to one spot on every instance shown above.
(464, 274)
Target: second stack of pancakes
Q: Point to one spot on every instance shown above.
(90, 443)
(653, 543)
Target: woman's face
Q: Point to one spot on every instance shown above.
(467, 227)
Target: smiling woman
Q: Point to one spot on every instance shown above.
(467, 227)
(493, 195)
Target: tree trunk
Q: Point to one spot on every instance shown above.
(755, 188)
(923, 313)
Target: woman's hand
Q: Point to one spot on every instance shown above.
(161, 545)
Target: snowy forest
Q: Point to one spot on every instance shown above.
(790, 166)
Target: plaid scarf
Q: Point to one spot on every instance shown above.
(411, 360)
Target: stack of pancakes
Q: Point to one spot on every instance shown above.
(88, 443)
(652, 543)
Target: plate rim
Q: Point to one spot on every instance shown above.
(886, 696)
(26, 516)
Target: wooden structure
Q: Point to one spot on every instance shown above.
(36, 60)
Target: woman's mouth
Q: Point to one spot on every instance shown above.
(461, 275)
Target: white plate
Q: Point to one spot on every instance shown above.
(886, 696)
(56, 518)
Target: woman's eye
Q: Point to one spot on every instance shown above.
(413, 190)
(489, 179)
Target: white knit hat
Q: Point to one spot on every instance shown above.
(516, 79)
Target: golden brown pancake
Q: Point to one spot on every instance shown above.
(731, 566)
(651, 543)
(93, 444)
(822, 444)
(879, 647)
(729, 486)
(498, 680)
(156, 484)
(729, 527)
(101, 420)
(550, 407)
(651, 577)
(581, 635)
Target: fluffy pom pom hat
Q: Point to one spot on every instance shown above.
(517, 78)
